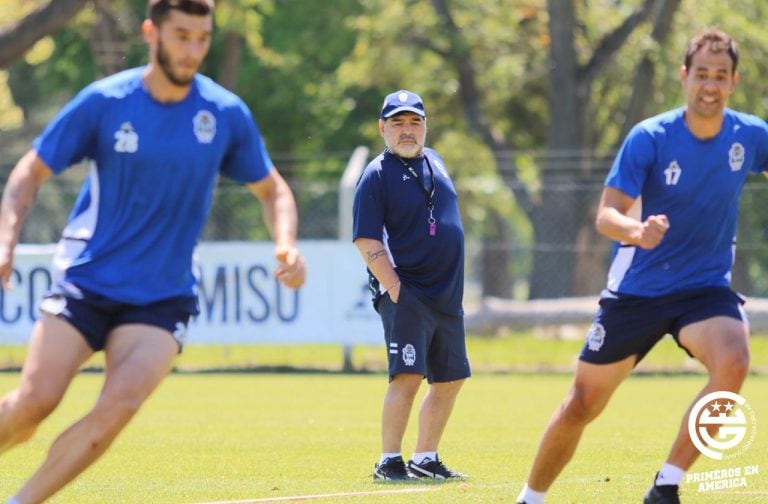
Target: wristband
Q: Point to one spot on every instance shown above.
(390, 288)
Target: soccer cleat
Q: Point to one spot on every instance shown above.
(392, 469)
(662, 494)
(434, 469)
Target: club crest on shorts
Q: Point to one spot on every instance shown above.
(54, 305)
(180, 333)
(596, 337)
(204, 126)
(736, 156)
(409, 355)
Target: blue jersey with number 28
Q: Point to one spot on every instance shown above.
(152, 171)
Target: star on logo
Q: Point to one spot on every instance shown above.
(715, 407)
(405, 177)
(729, 406)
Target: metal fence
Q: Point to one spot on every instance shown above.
(511, 240)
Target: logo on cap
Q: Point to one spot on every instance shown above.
(402, 101)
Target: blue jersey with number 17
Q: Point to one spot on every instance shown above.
(152, 171)
(697, 184)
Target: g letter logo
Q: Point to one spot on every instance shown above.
(727, 413)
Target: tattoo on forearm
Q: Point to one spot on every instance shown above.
(372, 256)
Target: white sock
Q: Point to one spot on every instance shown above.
(385, 456)
(419, 457)
(531, 496)
(669, 475)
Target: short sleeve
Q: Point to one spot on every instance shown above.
(369, 207)
(761, 160)
(71, 135)
(633, 162)
(247, 160)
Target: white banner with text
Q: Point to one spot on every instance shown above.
(240, 299)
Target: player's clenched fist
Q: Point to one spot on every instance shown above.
(291, 270)
(654, 229)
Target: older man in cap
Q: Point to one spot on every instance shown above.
(408, 229)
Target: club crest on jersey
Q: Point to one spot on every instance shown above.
(596, 337)
(126, 139)
(409, 355)
(204, 126)
(736, 156)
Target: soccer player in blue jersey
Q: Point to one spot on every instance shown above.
(408, 229)
(671, 204)
(156, 139)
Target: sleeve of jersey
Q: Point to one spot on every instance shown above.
(368, 207)
(632, 163)
(247, 160)
(761, 161)
(70, 136)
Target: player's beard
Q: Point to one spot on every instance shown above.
(408, 151)
(165, 64)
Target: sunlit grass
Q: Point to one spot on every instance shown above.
(216, 437)
(519, 352)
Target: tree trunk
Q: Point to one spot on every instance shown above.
(230, 67)
(555, 215)
(471, 97)
(494, 260)
(19, 37)
(107, 43)
(643, 83)
(561, 214)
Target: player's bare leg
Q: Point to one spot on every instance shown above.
(138, 357)
(722, 345)
(592, 387)
(55, 353)
(398, 403)
(435, 411)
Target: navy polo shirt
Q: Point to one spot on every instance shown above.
(390, 205)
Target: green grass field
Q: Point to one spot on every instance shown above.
(212, 437)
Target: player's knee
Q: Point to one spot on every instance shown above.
(733, 366)
(582, 405)
(118, 405)
(34, 405)
(407, 384)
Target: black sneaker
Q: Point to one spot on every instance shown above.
(392, 469)
(662, 494)
(434, 469)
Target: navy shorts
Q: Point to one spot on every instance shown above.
(95, 316)
(632, 325)
(421, 340)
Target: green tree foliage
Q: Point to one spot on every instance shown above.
(315, 76)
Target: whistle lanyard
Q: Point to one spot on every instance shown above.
(428, 193)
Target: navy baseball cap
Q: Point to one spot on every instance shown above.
(402, 101)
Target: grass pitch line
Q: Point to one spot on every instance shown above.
(298, 498)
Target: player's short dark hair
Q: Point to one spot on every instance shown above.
(158, 10)
(715, 40)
